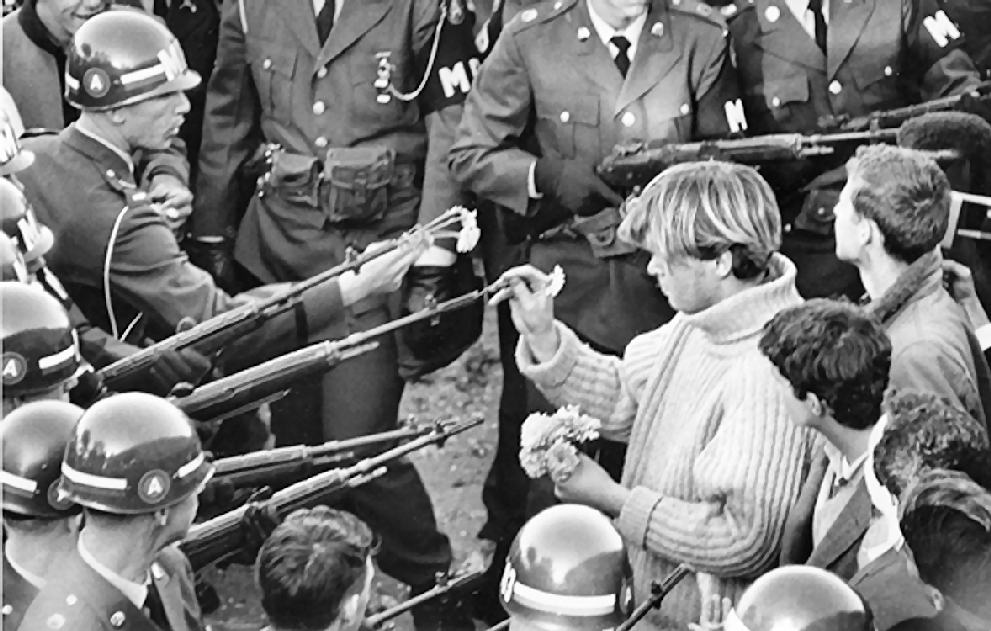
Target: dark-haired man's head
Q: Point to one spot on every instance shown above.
(923, 432)
(946, 520)
(315, 571)
(895, 206)
(835, 359)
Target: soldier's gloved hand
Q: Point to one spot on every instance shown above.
(975, 105)
(575, 185)
(259, 521)
(425, 287)
(213, 255)
(89, 389)
(174, 367)
(216, 498)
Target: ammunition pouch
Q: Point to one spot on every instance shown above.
(601, 231)
(353, 187)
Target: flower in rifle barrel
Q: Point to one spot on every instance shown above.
(556, 283)
(549, 444)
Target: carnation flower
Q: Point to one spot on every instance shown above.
(556, 283)
(549, 444)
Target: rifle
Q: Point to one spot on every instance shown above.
(636, 164)
(658, 592)
(265, 382)
(211, 336)
(447, 583)
(219, 538)
(895, 117)
(295, 463)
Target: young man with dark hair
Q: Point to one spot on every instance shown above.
(889, 221)
(835, 361)
(946, 520)
(315, 571)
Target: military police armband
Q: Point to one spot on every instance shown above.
(449, 73)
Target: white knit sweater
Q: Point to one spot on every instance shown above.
(714, 463)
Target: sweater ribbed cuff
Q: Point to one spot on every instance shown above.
(553, 372)
(634, 519)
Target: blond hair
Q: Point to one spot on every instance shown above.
(702, 209)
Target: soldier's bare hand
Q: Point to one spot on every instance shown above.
(959, 282)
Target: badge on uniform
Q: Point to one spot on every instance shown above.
(96, 82)
(942, 28)
(14, 368)
(153, 486)
(383, 76)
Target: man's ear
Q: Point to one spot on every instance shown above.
(724, 264)
(816, 405)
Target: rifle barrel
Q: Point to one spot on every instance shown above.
(659, 592)
(454, 584)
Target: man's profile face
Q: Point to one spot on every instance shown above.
(154, 123)
(846, 224)
(70, 15)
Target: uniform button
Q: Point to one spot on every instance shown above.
(787, 227)
(267, 64)
(685, 109)
(821, 211)
(117, 619)
(70, 600)
(565, 117)
(887, 71)
(835, 87)
(319, 107)
(322, 72)
(320, 142)
(776, 102)
(629, 118)
(7, 610)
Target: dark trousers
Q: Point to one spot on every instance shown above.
(360, 397)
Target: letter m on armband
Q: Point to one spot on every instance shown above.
(735, 116)
(942, 28)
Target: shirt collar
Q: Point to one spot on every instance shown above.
(135, 592)
(92, 136)
(844, 470)
(36, 581)
(606, 32)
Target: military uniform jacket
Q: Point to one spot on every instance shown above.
(76, 598)
(105, 231)
(881, 54)
(273, 82)
(17, 596)
(550, 72)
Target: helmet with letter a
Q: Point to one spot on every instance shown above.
(33, 440)
(133, 453)
(122, 57)
(567, 570)
(800, 598)
(40, 347)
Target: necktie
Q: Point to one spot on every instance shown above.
(622, 58)
(325, 21)
(154, 608)
(815, 6)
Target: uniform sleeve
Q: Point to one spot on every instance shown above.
(231, 133)
(747, 477)
(441, 100)
(719, 108)
(98, 347)
(486, 157)
(934, 45)
(172, 162)
(150, 272)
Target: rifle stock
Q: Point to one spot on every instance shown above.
(636, 164)
(895, 117)
(265, 468)
(219, 538)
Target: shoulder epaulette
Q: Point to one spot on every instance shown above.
(698, 9)
(36, 132)
(539, 14)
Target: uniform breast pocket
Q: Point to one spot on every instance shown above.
(782, 100)
(876, 85)
(572, 124)
(273, 69)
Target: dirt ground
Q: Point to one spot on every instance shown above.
(453, 475)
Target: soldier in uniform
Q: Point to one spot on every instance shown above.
(113, 250)
(800, 61)
(340, 89)
(135, 465)
(40, 349)
(974, 19)
(567, 554)
(34, 40)
(41, 529)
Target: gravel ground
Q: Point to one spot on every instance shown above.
(453, 475)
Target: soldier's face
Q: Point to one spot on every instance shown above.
(619, 13)
(154, 123)
(64, 17)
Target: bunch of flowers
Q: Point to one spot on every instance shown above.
(549, 443)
